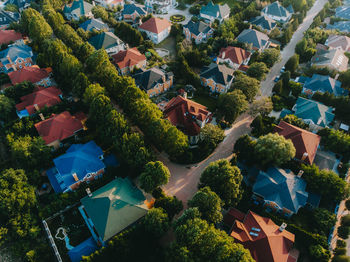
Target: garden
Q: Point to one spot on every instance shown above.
(177, 18)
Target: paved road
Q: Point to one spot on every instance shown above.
(288, 51)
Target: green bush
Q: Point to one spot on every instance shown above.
(343, 232)
(345, 220)
(341, 243)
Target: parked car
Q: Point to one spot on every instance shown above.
(283, 69)
(276, 79)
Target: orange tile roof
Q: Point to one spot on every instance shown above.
(128, 58)
(30, 73)
(236, 54)
(7, 36)
(303, 141)
(155, 25)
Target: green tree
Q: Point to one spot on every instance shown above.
(344, 78)
(257, 70)
(345, 220)
(100, 12)
(170, 204)
(154, 175)
(156, 222)
(225, 180)
(208, 203)
(80, 84)
(323, 220)
(318, 253)
(347, 204)
(128, 34)
(273, 149)
(211, 135)
(91, 92)
(343, 232)
(245, 148)
(248, 85)
(341, 259)
(270, 56)
(292, 63)
(7, 108)
(262, 106)
(295, 121)
(231, 104)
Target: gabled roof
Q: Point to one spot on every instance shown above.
(216, 11)
(332, 57)
(18, 3)
(276, 9)
(254, 37)
(105, 40)
(197, 27)
(15, 51)
(343, 12)
(42, 97)
(311, 110)
(321, 83)
(128, 58)
(182, 112)
(303, 141)
(236, 54)
(132, 8)
(270, 244)
(29, 73)
(7, 36)
(281, 187)
(148, 79)
(221, 74)
(155, 25)
(96, 24)
(78, 7)
(264, 22)
(342, 26)
(58, 127)
(338, 41)
(114, 207)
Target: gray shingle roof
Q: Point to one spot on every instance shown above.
(342, 26)
(105, 40)
(276, 9)
(91, 24)
(254, 37)
(264, 22)
(217, 11)
(198, 27)
(343, 12)
(221, 74)
(324, 84)
(148, 79)
(131, 8)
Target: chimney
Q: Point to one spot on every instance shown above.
(36, 107)
(305, 155)
(88, 191)
(223, 55)
(185, 95)
(41, 116)
(76, 179)
(282, 227)
(301, 172)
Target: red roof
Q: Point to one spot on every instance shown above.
(235, 54)
(31, 73)
(262, 237)
(183, 113)
(128, 58)
(7, 36)
(58, 127)
(42, 97)
(303, 141)
(155, 25)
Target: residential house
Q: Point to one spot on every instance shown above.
(338, 41)
(110, 3)
(81, 163)
(94, 24)
(39, 99)
(113, 208)
(266, 241)
(34, 74)
(233, 56)
(133, 12)
(306, 143)
(157, 29)
(342, 26)
(108, 41)
(199, 31)
(257, 40)
(160, 6)
(343, 12)
(10, 36)
(21, 4)
(154, 81)
(7, 17)
(278, 12)
(280, 190)
(15, 57)
(188, 116)
(322, 84)
(217, 77)
(264, 22)
(333, 59)
(128, 60)
(60, 127)
(212, 12)
(79, 8)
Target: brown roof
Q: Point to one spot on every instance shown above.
(235, 54)
(155, 25)
(128, 58)
(30, 73)
(7, 36)
(262, 237)
(303, 141)
(182, 112)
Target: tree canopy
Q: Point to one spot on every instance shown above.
(248, 85)
(231, 104)
(154, 175)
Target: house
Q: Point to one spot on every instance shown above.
(42, 97)
(21, 4)
(212, 12)
(322, 84)
(188, 116)
(10, 36)
(233, 56)
(128, 60)
(59, 127)
(333, 59)
(343, 12)
(81, 163)
(342, 26)
(108, 41)
(7, 17)
(110, 3)
(306, 143)
(15, 57)
(257, 40)
(264, 22)
(281, 191)
(94, 24)
(217, 77)
(34, 74)
(79, 8)
(154, 81)
(132, 12)
(113, 208)
(160, 6)
(266, 241)
(278, 12)
(157, 29)
(199, 31)
(338, 41)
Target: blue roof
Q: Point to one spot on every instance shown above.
(80, 159)
(131, 8)
(14, 52)
(322, 83)
(85, 248)
(96, 24)
(217, 11)
(342, 26)
(302, 79)
(254, 37)
(282, 187)
(343, 12)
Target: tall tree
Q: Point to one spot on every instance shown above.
(248, 85)
(231, 104)
(7, 106)
(154, 175)
(257, 70)
(156, 222)
(292, 63)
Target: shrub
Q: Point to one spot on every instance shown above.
(343, 232)
(345, 220)
(347, 204)
(341, 243)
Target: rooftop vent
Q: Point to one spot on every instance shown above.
(253, 234)
(88, 191)
(282, 227)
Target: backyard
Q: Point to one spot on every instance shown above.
(207, 101)
(169, 44)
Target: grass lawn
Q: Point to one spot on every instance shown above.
(169, 44)
(230, 3)
(207, 101)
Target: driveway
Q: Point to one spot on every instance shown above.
(288, 51)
